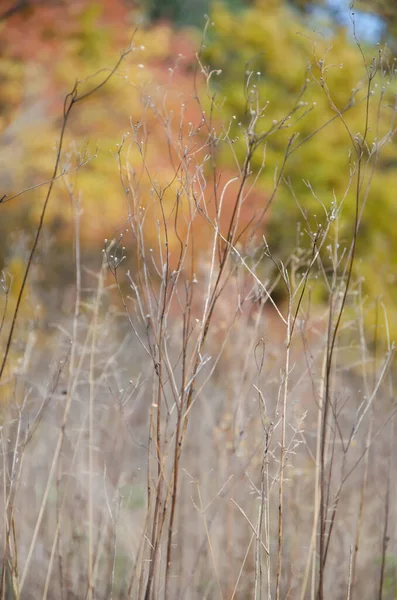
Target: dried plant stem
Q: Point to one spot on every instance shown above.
(361, 508)
(91, 432)
(55, 459)
(385, 538)
(282, 455)
(201, 507)
(71, 100)
(312, 554)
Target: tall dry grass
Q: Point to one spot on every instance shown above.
(183, 434)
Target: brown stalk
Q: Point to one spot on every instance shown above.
(70, 101)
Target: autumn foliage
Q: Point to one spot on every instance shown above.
(197, 282)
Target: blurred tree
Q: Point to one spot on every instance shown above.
(376, 19)
(10, 8)
(268, 39)
(179, 12)
(186, 12)
(387, 11)
(285, 62)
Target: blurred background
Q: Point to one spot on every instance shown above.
(47, 45)
(310, 59)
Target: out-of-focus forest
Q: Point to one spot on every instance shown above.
(198, 281)
(47, 46)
